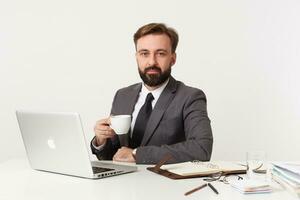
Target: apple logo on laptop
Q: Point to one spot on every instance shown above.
(51, 143)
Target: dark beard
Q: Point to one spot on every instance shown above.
(153, 80)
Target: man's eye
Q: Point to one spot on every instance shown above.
(161, 53)
(144, 54)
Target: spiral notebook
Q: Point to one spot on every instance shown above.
(195, 169)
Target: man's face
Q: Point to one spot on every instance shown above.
(154, 58)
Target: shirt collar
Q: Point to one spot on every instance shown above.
(157, 92)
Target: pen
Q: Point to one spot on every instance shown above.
(196, 189)
(213, 188)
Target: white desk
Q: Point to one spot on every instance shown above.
(19, 181)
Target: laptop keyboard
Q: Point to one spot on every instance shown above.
(97, 170)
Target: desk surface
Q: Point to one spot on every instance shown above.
(19, 181)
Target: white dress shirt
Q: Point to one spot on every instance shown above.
(142, 98)
(140, 102)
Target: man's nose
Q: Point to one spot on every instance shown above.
(152, 60)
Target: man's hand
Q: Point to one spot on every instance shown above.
(124, 154)
(103, 131)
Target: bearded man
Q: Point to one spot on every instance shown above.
(168, 117)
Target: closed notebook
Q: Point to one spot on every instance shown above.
(198, 169)
(251, 186)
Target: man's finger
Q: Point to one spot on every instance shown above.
(104, 121)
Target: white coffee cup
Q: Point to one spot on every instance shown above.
(120, 123)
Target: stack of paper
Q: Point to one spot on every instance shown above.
(251, 186)
(288, 175)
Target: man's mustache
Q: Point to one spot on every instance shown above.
(152, 68)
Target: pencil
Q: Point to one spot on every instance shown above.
(213, 188)
(195, 189)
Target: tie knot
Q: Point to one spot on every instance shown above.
(149, 97)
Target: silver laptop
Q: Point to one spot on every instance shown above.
(55, 142)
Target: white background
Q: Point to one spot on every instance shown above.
(66, 55)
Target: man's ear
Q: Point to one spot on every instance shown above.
(173, 61)
(135, 55)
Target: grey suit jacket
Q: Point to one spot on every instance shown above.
(178, 125)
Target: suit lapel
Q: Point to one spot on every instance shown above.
(160, 107)
(132, 97)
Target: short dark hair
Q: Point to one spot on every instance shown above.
(157, 28)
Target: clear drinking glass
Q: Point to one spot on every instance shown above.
(256, 164)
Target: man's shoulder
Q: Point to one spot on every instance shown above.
(182, 88)
(132, 87)
(187, 94)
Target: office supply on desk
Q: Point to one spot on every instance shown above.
(249, 186)
(55, 142)
(196, 169)
(195, 189)
(287, 174)
(213, 188)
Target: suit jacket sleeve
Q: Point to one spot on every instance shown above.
(198, 141)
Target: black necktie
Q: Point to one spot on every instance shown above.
(141, 122)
